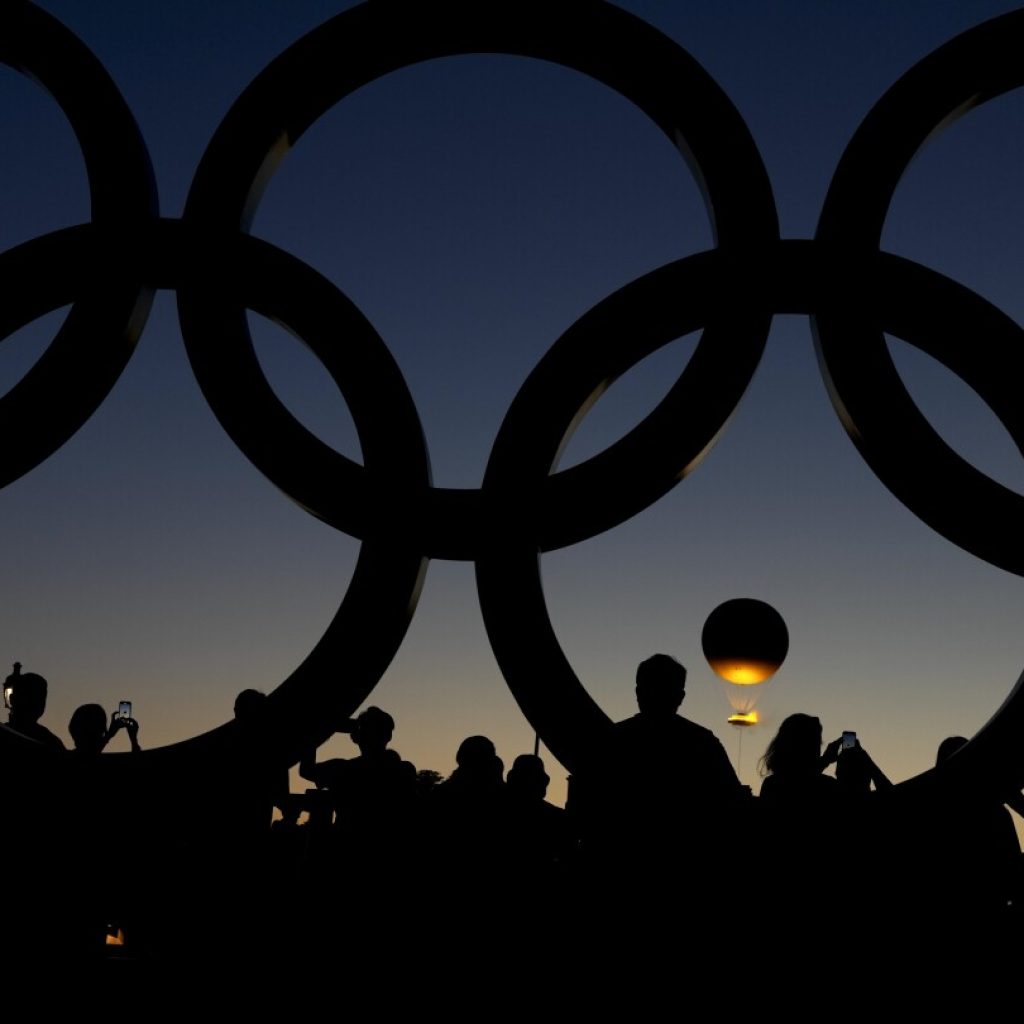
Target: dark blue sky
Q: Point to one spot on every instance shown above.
(473, 208)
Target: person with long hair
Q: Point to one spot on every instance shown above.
(818, 832)
(793, 763)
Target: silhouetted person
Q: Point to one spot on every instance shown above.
(974, 849)
(90, 732)
(376, 768)
(468, 857)
(793, 765)
(656, 803)
(682, 760)
(28, 702)
(32, 843)
(221, 872)
(659, 784)
(373, 798)
(259, 783)
(527, 780)
(373, 795)
(479, 772)
(803, 848)
(98, 817)
(538, 834)
(819, 834)
(469, 815)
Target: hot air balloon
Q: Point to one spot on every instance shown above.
(745, 641)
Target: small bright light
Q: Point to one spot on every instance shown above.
(750, 718)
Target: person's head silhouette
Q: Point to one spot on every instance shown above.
(660, 685)
(795, 748)
(527, 778)
(88, 728)
(948, 747)
(250, 706)
(28, 698)
(478, 761)
(372, 731)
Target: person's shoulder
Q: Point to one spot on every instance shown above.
(335, 770)
(697, 732)
(628, 725)
(52, 739)
(394, 767)
(665, 727)
(688, 723)
(38, 732)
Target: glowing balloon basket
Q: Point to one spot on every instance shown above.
(745, 641)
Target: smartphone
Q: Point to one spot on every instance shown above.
(849, 740)
(124, 710)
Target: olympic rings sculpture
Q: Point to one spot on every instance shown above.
(109, 269)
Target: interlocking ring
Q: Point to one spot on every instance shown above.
(897, 442)
(526, 505)
(84, 360)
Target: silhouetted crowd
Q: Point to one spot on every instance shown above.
(659, 844)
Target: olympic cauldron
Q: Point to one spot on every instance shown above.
(109, 269)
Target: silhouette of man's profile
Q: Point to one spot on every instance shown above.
(28, 702)
(656, 777)
(667, 756)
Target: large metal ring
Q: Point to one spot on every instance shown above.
(86, 357)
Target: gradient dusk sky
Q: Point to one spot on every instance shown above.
(473, 208)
